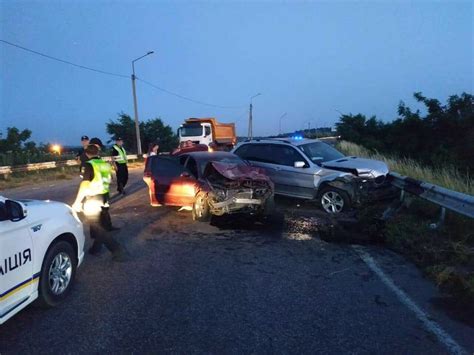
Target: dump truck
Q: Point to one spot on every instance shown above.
(219, 136)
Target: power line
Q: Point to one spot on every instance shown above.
(64, 61)
(184, 97)
(118, 75)
(240, 117)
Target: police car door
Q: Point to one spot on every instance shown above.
(16, 253)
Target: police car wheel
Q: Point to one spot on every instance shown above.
(201, 211)
(57, 274)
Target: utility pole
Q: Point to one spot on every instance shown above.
(250, 133)
(279, 127)
(137, 126)
(135, 106)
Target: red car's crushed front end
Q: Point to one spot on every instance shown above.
(228, 185)
(237, 188)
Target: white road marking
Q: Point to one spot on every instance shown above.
(452, 346)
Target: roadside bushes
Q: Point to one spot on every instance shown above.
(445, 136)
(446, 175)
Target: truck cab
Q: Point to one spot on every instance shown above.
(208, 131)
(196, 132)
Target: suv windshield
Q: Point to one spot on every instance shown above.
(320, 152)
(190, 131)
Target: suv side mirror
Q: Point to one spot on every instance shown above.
(299, 164)
(15, 211)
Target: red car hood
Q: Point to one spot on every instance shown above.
(237, 171)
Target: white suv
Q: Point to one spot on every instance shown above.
(312, 169)
(41, 245)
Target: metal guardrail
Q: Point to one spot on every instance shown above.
(7, 170)
(447, 199)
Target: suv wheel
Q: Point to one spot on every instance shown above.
(333, 200)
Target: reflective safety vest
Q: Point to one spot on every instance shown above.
(122, 155)
(102, 177)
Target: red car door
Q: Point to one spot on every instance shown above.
(173, 184)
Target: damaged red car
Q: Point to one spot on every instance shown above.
(210, 183)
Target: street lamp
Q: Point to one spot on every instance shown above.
(250, 135)
(134, 91)
(279, 129)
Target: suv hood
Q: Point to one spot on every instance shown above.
(358, 166)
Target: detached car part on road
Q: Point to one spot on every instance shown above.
(311, 169)
(41, 245)
(211, 183)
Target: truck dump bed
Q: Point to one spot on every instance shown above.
(223, 133)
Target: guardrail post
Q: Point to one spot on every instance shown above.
(442, 217)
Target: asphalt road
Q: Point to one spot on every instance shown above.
(234, 286)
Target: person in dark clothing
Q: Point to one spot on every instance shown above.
(153, 149)
(93, 200)
(81, 155)
(120, 164)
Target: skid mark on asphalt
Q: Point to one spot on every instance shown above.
(443, 337)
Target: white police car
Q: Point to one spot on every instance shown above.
(41, 245)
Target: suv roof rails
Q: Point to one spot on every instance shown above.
(269, 139)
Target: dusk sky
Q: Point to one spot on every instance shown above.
(308, 59)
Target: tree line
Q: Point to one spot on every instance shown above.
(442, 136)
(151, 131)
(16, 148)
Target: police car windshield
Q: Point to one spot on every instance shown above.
(320, 152)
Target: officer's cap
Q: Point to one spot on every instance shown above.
(96, 141)
(84, 138)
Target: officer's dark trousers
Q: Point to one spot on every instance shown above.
(122, 176)
(100, 227)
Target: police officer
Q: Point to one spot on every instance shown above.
(93, 200)
(81, 155)
(120, 164)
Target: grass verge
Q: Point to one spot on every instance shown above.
(445, 254)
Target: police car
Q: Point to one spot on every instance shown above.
(41, 245)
